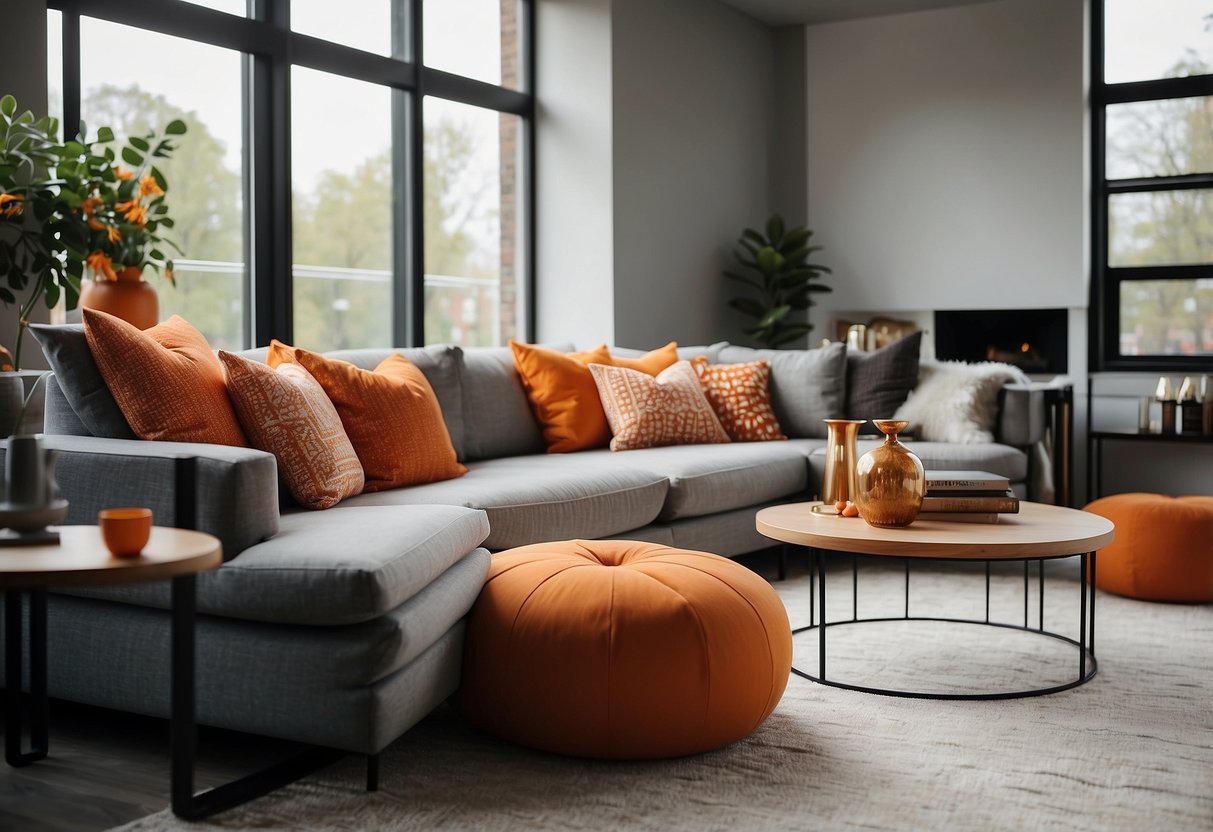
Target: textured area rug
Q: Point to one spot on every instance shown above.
(1130, 750)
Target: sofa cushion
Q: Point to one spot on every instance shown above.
(806, 385)
(340, 566)
(646, 411)
(66, 350)
(740, 395)
(167, 382)
(563, 396)
(497, 417)
(531, 499)
(878, 382)
(709, 480)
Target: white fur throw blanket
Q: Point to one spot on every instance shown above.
(955, 401)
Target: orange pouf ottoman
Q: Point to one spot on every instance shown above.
(618, 649)
(1163, 549)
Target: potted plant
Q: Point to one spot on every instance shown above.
(782, 278)
(122, 208)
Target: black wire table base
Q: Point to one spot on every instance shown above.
(1087, 666)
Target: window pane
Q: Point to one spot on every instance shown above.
(1170, 137)
(200, 84)
(476, 38)
(473, 224)
(362, 24)
(1160, 228)
(1157, 39)
(342, 187)
(238, 7)
(54, 65)
(1166, 317)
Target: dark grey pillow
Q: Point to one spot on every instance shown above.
(807, 386)
(879, 382)
(76, 372)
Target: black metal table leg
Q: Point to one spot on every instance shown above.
(14, 673)
(821, 603)
(186, 804)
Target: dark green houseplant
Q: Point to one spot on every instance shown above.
(778, 270)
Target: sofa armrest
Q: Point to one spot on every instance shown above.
(229, 492)
(1040, 417)
(1021, 414)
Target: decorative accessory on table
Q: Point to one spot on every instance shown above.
(125, 531)
(891, 478)
(839, 483)
(31, 498)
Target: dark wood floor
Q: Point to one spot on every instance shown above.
(107, 768)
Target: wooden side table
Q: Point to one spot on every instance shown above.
(81, 559)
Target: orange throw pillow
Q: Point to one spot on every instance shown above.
(391, 416)
(287, 413)
(645, 412)
(740, 396)
(166, 381)
(564, 397)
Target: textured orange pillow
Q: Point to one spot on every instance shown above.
(166, 381)
(287, 413)
(651, 362)
(645, 412)
(563, 396)
(391, 416)
(740, 396)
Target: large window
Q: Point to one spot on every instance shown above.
(332, 191)
(1152, 127)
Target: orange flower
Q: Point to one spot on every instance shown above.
(113, 234)
(123, 174)
(11, 205)
(101, 265)
(88, 207)
(133, 211)
(148, 187)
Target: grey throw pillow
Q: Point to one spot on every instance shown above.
(879, 382)
(806, 385)
(76, 372)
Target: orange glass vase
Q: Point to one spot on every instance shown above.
(891, 480)
(130, 298)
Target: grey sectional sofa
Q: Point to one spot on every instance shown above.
(343, 627)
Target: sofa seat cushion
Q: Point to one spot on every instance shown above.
(342, 566)
(531, 499)
(708, 479)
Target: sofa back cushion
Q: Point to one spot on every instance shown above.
(167, 382)
(80, 383)
(497, 417)
(806, 385)
(878, 382)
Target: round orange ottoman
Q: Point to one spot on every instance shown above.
(618, 649)
(1163, 549)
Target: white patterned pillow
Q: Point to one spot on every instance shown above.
(287, 413)
(645, 412)
(957, 402)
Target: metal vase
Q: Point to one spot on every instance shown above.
(839, 481)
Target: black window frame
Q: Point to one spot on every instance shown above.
(1105, 280)
(270, 49)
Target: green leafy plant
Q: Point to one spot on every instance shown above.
(782, 278)
(37, 227)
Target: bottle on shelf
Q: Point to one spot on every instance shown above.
(1206, 405)
(1189, 408)
(1164, 393)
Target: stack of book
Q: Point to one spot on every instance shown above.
(967, 497)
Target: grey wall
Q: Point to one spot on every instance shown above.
(947, 157)
(23, 75)
(788, 166)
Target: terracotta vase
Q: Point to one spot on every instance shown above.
(129, 297)
(891, 480)
(838, 482)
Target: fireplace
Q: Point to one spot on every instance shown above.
(1035, 340)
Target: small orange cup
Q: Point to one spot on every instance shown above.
(125, 530)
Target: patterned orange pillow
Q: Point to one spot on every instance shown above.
(391, 416)
(645, 412)
(740, 395)
(287, 413)
(166, 381)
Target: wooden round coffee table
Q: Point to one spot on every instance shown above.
(1037, 533)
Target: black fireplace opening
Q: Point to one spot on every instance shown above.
(1035, 340)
